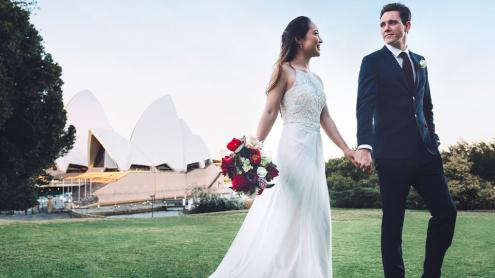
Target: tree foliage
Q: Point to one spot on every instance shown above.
(470, 178)
(350, 187)
(32, 116)
(206, 202)
(469, 169)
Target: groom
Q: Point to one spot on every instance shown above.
(395, 123)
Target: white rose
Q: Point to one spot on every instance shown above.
(261, 172)
(422, 63)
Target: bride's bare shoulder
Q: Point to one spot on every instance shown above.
(288, 70)
(282, 78)
(289, 74)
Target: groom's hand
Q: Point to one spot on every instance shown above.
(363, 159)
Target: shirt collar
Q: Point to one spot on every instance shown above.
(397, 51)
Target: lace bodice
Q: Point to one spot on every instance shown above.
(304, 101)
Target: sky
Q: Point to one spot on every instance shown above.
(215, 58)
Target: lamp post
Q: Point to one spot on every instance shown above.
(152, 201)
(155, 171)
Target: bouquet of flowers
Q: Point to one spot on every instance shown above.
(247, 167)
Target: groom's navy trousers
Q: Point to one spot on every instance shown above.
(395, 117)
(424, 172)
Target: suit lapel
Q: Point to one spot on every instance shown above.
(389, 56)
(417, 70)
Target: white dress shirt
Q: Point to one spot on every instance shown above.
(396, 52)
(399, 59)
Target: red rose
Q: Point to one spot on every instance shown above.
(239, 182)
(273, 172)
(255, 156)
(227, 161)
(228, 166)
(234, 144)
(225, 170)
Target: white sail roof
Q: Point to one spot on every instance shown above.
(84, 111)
(158, 134)
(116, 147)
(194, 147)
(158, 138)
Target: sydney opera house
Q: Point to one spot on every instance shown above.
(162, 158)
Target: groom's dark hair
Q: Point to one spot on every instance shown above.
(404, 12)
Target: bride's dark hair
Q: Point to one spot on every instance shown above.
(297, 28)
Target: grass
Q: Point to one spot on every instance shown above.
(193, 245)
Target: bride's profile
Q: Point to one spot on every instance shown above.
(287, 231)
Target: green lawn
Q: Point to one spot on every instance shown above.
(193, 245)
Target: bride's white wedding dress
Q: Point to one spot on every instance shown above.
(287, 231)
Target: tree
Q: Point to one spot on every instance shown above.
(349, 187)
(32, 117)
(466, 184)
(469, 170)
(482, 155)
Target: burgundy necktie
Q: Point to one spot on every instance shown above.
(407, 68)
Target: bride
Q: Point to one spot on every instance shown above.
(287, 231)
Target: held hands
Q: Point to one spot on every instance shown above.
(351, 155)
(363, 159)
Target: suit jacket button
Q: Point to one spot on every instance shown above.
(414, 98)
(415, 115)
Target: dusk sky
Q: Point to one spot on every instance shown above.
(215, 57)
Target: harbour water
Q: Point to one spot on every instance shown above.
(162, 213)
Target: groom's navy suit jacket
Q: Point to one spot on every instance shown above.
(392, 117)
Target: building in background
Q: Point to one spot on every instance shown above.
(163, 157)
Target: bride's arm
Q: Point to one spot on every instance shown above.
(272, 106)
(333, 133)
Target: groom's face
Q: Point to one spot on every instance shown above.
(392, 29)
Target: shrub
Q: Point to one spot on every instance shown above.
(207, 202)
(469, 170)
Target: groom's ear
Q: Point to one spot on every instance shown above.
(407, 26)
